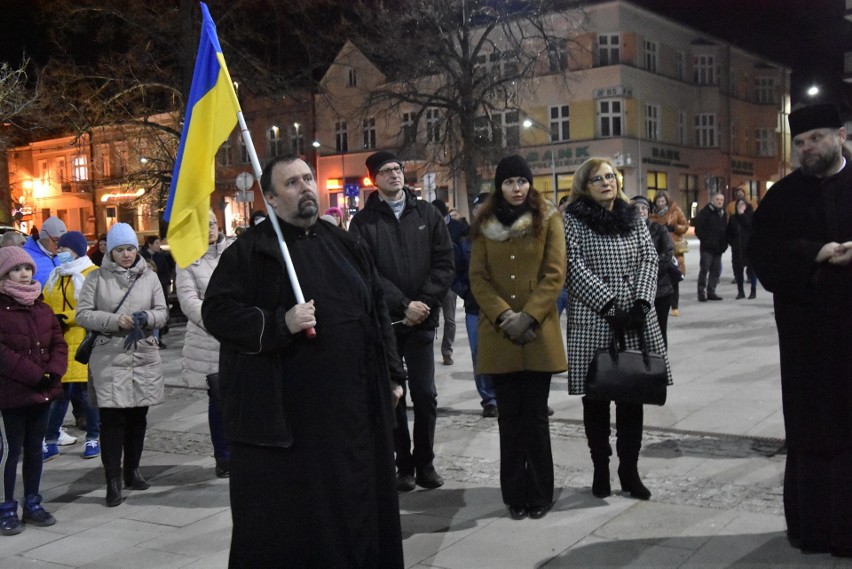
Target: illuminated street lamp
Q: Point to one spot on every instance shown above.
(531, 123)
(813, 91)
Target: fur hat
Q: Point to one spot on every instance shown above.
(53, 227)
(75, 241)
(811, 117)
(511, 167)
(121, 234)
(11, 257)
(378, 159)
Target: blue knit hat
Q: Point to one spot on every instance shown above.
(121, 234)
(75, 241)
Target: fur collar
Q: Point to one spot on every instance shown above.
(495, 231)
(620, 221)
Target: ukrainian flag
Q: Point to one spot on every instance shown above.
(211, 115)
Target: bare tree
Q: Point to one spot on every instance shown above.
(468, 63)
(17, 96)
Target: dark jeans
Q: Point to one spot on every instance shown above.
(122, 429)
(628, 429)
(22, 432)
(662, 304)
(526, 461)
(738, 273)
(217, 429)
(484, 385)
(416, 349)
(709, 269)
(78, 393)
(448, 312)
(676, 295)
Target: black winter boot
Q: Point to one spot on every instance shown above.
(753, 293)
(113, 492)
(628, 475)
(600, 482)
(133, 479)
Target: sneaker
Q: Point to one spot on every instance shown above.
(92, 449)
(65, 439)
(10, 524)
(49, 451)
(38, 516)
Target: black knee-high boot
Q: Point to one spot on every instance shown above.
(628, 421)
(134, 441)
(596, 421)
(111, 440)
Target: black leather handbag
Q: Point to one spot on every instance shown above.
(632, 376)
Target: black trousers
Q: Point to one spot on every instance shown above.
(662, 304)
(122, 429)
(416, 349)
(709, 270)
(526, 460)
(628, 429)
(818, 501)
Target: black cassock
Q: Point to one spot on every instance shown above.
(318, 489)
(813, 312)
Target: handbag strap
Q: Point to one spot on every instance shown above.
(123, 298)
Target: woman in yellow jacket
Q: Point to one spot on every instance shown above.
(60, 293)
(517, 270)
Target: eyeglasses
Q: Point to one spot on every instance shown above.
(389, 171)
(598, 180)
(213, 224)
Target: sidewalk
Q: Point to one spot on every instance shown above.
(712, 458)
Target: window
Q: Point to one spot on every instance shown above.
(651, 56)
(80, 168)
(482, 129)
(609, 113)
(503, 63)
(370, 133)
(510, 128)
(61, 170)
(297, 140)
(681, 127)
(652, 122)
(765, 140)
(224, 156)
(680, 65)
(704, 69)
(557, 55)
(705, 130)
(353, 78)
(765, 90)
(433, 126)
(688, 185)
(409, 128)
(273, 140)
(657, 181)
(43, 171)
(609, 49)
(244, 156)
(735, 138)
(560, 125)
(341, 136)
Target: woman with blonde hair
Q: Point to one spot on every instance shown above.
(612, 283)
(669, 215)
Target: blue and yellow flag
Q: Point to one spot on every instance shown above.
(211, 115)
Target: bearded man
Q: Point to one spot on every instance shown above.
(801, 249)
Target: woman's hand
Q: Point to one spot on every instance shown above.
(125, 322)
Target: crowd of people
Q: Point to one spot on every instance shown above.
(309, 396)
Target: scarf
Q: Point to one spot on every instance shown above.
(23, 294)
(620, 221)
(663, 211)
(508, 214)
(74, 269)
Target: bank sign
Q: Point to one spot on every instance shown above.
(564, 157)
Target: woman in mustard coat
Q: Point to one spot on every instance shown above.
(517, 269)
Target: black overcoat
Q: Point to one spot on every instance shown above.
(813, 304)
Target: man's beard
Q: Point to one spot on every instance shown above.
(308, 208)
(821, 164)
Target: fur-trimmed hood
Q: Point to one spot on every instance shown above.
(493, 229)
(620, 221)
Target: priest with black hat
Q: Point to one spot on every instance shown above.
(801, 250)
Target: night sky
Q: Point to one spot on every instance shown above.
(809, 36)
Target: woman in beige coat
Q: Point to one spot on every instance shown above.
(126, 375)
(517, 270)
(200, 349)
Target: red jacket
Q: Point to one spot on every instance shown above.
(31, 345)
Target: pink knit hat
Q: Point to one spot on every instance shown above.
(11, 257)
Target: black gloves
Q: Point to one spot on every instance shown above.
(617, 318)
(47, 381)
(63, 324)
(637, 314)
(140, 319)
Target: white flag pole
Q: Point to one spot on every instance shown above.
(273, 218)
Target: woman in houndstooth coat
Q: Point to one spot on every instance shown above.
(612, 281)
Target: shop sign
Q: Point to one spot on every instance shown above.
(562, 158)
(742, 167)
(665, 157)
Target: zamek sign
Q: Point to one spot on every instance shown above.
(571, 156)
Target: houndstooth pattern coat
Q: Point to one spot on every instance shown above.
(610, 257)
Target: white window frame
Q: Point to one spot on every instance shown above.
(273, 140)
(681, 128)
(79, 168)
(341, 136)
(651, 56)
(369, 132)
(765, 90)
(680, 65)
(433, 124)
(560, 123)
(609, 53)
(408, 127)
(610, 120)
(704, 69)
(224, 155)
(297, 140)
(652, 122)
(764, 139)
(705, 130)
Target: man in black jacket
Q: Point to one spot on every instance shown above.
(308, 420)
(414, 255)
(711, 225)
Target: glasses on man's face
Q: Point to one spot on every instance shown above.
(213, 225)
(598, 180)
(388, 171)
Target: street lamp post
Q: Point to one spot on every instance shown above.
(531, 123)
